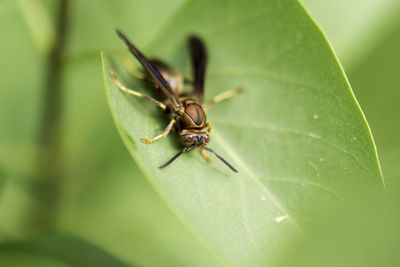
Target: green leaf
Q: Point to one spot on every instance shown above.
(296, 135)
(365, 36)
(55, 250)
(38, 21)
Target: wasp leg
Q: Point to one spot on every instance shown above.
(132, 92)
(208, 125)
(224, 95)
(204, 155)
(132, 70)
(164, 134)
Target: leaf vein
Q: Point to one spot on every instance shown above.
(257, 125)
(292, 131)
(256, 179)
(301, 182)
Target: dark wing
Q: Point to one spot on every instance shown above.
(154, 73)
(198, 55)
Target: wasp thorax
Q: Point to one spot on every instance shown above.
(193, 138)
(194, 116)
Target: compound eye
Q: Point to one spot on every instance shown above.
(187, 139)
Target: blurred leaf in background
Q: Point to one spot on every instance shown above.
(55, 250)
(23, 68)
(364, 232)
(354, 27)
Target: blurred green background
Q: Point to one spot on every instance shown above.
(100, 193)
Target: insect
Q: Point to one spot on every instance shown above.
(185, 110)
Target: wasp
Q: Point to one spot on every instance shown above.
(186, 111)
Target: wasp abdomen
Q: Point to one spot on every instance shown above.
(173, 78)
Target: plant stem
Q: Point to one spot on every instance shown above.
(46, 188)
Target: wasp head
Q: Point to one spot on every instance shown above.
(194, 138)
